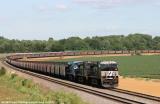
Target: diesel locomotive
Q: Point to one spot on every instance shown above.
(103, 73)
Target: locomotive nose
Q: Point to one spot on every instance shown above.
(109, 79)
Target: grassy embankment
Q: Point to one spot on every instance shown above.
(14, 88)
(131, 66)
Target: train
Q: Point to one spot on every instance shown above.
(80, 53)
(96, 73)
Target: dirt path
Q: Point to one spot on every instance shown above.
(141, 85)
(67, 57)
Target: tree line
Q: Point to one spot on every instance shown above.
(113, 42)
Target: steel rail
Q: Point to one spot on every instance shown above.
(150, 97)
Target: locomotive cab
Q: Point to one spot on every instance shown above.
(109, 74)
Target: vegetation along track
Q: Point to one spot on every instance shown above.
(91, 91)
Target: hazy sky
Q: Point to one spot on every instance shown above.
(41, 19)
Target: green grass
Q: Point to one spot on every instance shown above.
(132, 66)
(14, 88)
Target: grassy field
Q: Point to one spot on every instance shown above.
(14, 88)
(132, 66)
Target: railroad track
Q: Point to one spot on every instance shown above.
(150, 97)
(88, 90)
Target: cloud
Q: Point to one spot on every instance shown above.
(43, 8)
(51, 8)
(2, 18)
(107, 3)
(157, 3)
(61, 7)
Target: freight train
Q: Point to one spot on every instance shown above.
(80, 53)
(95, 73)
(104, 73)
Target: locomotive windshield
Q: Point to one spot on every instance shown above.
(108, 66)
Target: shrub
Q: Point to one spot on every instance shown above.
(67, 98)
(24, 82)
(14, 75)
(2, 71)
(27, 83)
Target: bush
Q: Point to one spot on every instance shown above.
(67, 98)
(2, 71)
(14, 75)
(24, 82)
(27, 83)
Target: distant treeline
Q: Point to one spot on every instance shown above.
(113, 42)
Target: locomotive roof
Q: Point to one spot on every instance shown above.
(108, 62)
(74, 62)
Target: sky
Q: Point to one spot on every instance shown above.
(41, 19)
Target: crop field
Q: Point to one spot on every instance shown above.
(130, 66)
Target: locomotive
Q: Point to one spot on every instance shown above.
(103, 73)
